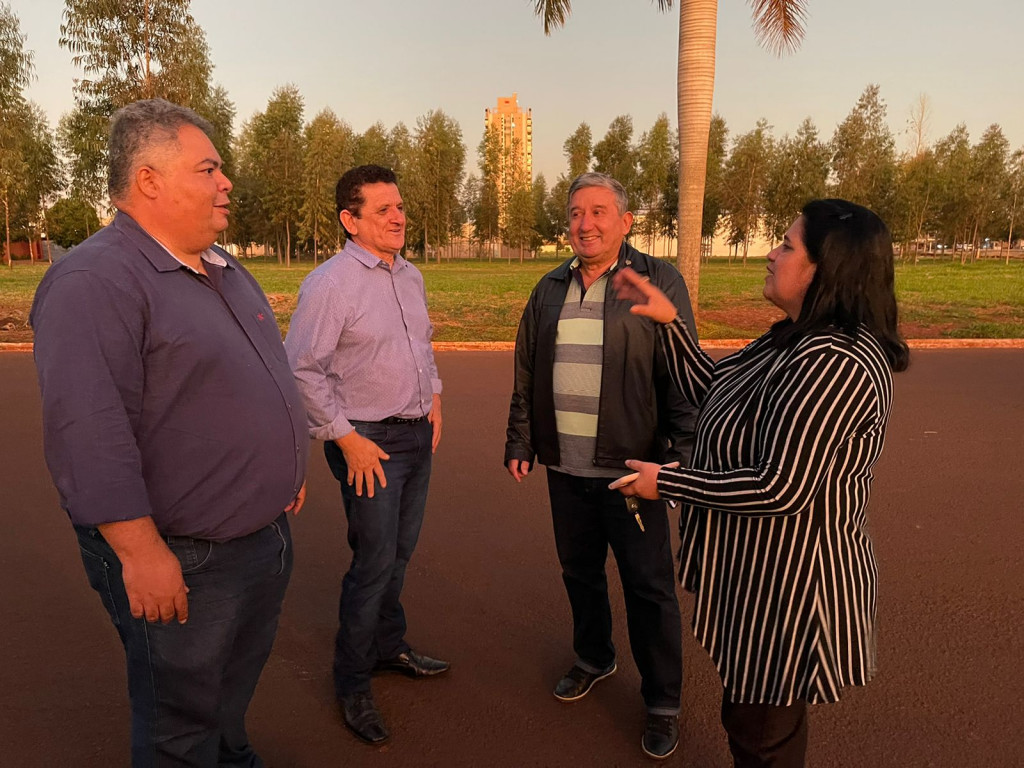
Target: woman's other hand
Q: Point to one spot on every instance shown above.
(646, 485)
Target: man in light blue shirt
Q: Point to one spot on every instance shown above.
(359, 346)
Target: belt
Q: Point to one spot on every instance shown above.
(394, 420)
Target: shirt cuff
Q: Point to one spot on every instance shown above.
(333, 431)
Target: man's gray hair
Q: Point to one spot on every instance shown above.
(135, 130)
(594, 179)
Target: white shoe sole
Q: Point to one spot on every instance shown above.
(609, 673)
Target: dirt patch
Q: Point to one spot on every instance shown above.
(14, 325)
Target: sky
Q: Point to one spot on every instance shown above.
(396, 61)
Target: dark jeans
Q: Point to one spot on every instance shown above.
(587, 519)
(765, 735)
(382, 533)
(190, 684)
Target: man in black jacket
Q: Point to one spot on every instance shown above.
(592, 390)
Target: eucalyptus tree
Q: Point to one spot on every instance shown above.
(374, 148)
(280, 129)
(71, 220)
(544, 225)
(778, 25)
(988, 182)
(518, 228)
(44, 176)
(616, 155)
(329, 148)
(743, 180)
(555, 209)
(655, 162)
(714, 202)
(130, 50)
(864, 156)
(16, 63)
(798, 172)
(249, 222)
(16, 70)
(82, 137)
(136, 49)
(486, 214)
(579, 150)
(917, 193)
(431, 185)
(268, 193)
(953, 172)
(1015, 194)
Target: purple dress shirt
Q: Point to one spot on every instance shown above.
(359, 343)
(165, 393)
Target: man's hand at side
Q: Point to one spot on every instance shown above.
(434, 417)
(518, 468)
(151, 572)
(296, 504)
(363, 458)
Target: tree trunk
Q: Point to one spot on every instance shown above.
(695, 87)
(7, 234)
(1009, 237)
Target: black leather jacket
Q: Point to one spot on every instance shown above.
(641, 414)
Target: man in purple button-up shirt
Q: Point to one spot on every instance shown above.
(176, 438)
(359, 345)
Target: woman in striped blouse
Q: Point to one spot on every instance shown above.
(774, 542)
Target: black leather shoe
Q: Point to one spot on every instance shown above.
(577, 682)
(414, 665)
(363, 719)
(661, 736)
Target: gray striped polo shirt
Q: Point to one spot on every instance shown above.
(579, 350)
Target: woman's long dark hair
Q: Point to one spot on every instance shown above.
(853, 281)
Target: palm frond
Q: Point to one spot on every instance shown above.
(553, 12)
(779, 24)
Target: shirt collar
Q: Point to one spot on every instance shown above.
(574, 265)
(209, 256)
(161, 257)
(368, 259)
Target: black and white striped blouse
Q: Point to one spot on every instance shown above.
(774, 542)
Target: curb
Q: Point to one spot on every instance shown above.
(504, 346)
(508, 346)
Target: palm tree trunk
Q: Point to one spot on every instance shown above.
(698, 21)
(9, 258)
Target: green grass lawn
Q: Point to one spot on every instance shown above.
(482, 301)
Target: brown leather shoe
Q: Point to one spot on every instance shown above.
(363, 719)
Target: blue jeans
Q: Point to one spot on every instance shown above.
(382, 533)
(190, 684)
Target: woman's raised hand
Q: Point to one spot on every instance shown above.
(647, 300)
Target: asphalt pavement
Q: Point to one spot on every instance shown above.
(484, 591)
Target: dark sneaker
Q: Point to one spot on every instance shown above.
(661, 736)
(577, 682)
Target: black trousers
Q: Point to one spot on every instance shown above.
(588, 518)
(765, 735)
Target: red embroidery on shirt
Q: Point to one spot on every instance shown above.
(259, 316)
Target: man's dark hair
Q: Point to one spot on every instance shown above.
(136, 130)
(348, 195)
(853, 284)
